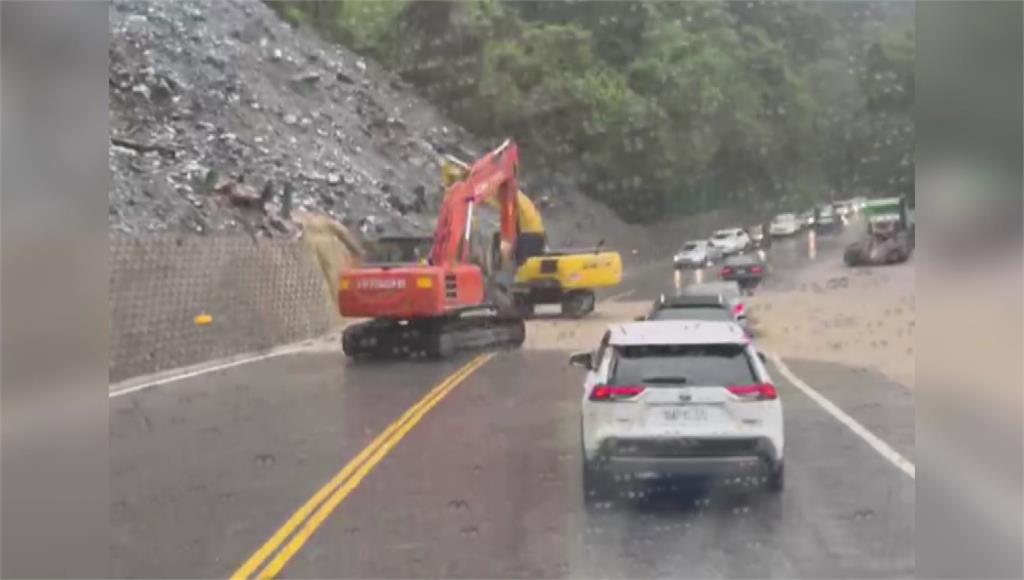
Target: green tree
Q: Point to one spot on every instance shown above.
(662, 107)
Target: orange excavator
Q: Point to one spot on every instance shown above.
(461, 298)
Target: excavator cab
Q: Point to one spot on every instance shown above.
(397, 249)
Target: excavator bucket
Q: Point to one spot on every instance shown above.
(499, 270)
(499, 293)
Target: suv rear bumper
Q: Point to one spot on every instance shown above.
(716, 456)
(694, 466)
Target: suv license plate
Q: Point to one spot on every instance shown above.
(685, 415)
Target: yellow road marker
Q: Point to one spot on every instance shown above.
(359, 466)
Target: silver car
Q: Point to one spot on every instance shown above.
(696, 253)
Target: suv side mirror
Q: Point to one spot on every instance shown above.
(583, 359)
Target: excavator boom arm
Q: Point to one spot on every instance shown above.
(492, 178)
(529, 218)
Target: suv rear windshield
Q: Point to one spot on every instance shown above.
(690, 246)
(691, 313)
(675, 364)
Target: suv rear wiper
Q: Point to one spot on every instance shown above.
(665, 379)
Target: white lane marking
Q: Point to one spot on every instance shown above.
(175, 375)
(190, 374)
(619, 295)
(870, 438)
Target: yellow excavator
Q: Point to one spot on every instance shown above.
(546, 276)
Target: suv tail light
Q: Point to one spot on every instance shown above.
(756, 269)
(726, 271)
(758, 392)
(738, 309)
(615, 392)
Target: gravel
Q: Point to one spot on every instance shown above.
(229, 87)
(208, 91)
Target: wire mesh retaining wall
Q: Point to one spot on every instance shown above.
(259, 294)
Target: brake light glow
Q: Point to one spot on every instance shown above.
(726, 271)
(756, 269)
(615, 392)
(738, 309)
(757, 392)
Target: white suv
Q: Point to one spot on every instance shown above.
(730, 241)
(784, 224)
(678, 398)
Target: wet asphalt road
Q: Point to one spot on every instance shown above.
(204, 470)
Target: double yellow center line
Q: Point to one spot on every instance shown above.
(313, 513)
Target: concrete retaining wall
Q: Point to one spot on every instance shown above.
(259, 294)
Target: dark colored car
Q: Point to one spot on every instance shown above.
(759, 237)
(710, 307)
(747, 270)
(827, 220)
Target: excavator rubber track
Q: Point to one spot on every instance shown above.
(478, 327)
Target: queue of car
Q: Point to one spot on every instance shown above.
(824, 218)
(680, 392)
(703, 253)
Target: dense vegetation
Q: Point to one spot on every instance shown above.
(664, 107)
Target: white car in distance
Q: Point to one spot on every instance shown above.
(730, 241)
(696, 253)
(784, 224)
(678, 398)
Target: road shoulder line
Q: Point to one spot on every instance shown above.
(870, 438)
(143, 382)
